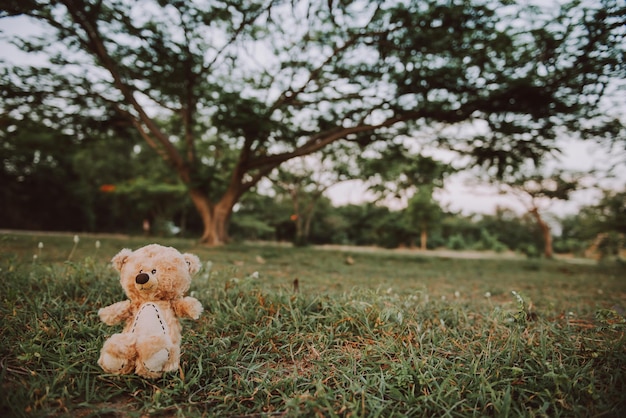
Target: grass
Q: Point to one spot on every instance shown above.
(389, 335)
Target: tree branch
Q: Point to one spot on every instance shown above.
(290, 96)
(95, 45)
(319, 141)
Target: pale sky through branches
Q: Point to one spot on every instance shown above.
(461, 193)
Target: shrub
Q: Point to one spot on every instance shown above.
(489, 242)
(529, 250)
(456, 242)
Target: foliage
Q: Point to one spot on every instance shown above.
(389, 335)
(611, 244)
(510, 229)
(152, 199)
(609, 214)
(251, 227)
(456, 242)
(423, 213)
(537, 190)
(489, 242)
(602, 225)
(423, 210)
(262, 217)
(37, 172)
(303, 181)
(357, 222)
(569, 246)
(394, 172)
(226, 92)
(86, 183)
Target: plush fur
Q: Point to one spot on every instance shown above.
(155, 279)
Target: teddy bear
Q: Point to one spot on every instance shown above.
(155, 279)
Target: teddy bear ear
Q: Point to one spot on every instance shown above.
(193, 262)
(121, 257)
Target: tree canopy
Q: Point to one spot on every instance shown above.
(226, 91)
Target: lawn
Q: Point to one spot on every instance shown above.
(385, 334)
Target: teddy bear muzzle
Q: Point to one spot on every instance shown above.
(145, 283)
(142, 278)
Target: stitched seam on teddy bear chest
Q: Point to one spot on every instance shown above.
(157, 312)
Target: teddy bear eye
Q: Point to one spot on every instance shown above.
(153, 271)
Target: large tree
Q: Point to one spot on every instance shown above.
(602, 224)
(423, 213)
(305, 180)
(225, 91)
(536, 191)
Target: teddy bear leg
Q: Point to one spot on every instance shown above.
(118, 354)
(153, 356)
(174, 360)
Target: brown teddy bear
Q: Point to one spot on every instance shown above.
(155, 279)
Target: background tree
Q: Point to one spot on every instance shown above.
(262, 217)
(537, 191)
(254, 84)
(508, 230)
(36, 175)
(305, 180)
(52, 178)
(358, 221)
(423, 213)
(603, 225)
(394, 172)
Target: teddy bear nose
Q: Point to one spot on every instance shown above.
(142, 278)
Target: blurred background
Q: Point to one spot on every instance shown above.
(467, 125)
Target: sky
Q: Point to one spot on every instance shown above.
(461, 193)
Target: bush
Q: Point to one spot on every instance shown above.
(529, 250)
(456, 242)
(610, 244)
(489, 242)
(569, 245)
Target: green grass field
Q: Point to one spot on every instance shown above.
(389, 335)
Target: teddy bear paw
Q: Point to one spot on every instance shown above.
(112, 364)
(156, 363)
(196, 310)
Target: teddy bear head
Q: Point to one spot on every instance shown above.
(155, 272)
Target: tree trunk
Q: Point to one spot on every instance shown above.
(299, 239)
(214, 217)
(547, 234)
(310, 211)
(423, 239)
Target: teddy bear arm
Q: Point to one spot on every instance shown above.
(116, 313)
(188, 307)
